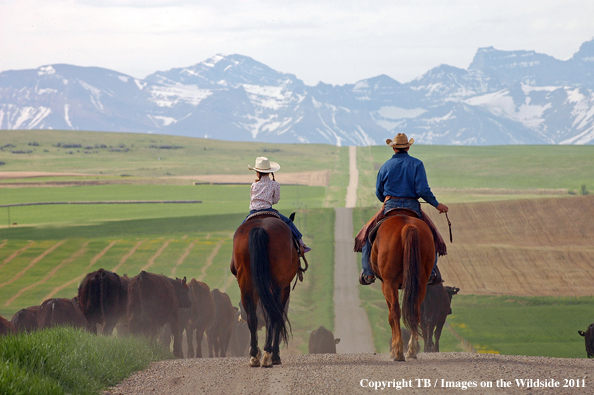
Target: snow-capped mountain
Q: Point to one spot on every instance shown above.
(504, 97)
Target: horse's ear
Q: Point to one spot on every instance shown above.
(581, 333)
(292, 217)
(184, 280)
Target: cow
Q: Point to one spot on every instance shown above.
(240, 336)
(203, 314)
(589, 337)
(25, 320)
(6, 327)
(219, 330)
(322, 341)
(194, 319)
(435, 308)
(153, 301)
(60, 311)
(405, 339)
(103, 297)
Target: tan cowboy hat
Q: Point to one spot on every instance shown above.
(263, 165)
(400, 141)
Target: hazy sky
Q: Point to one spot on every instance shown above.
(333, 41)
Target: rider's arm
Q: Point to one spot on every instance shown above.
(422, 186)
(379, 187)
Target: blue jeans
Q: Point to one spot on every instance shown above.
(286, 220)
(390, 204)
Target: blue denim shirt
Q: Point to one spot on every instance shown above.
(404, 176)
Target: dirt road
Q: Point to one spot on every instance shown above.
(450, 373)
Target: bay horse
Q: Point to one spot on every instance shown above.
(402, 256)
(265, 261)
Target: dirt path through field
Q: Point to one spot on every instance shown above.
(182, 258)
(351, 323)
(32, 263)
(125, 257)
(152, 259)
(78, 279)
(210, 259)
(66, 261)
(15, 254)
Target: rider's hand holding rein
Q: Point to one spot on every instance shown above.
(442, 208)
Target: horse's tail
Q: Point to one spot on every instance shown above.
(267, 289)
(412, 263)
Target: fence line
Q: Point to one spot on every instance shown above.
(104, 202)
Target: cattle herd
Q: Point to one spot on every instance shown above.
(154, 306)
(148, 304)
(163, 308)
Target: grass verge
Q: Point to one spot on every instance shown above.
(69, 361)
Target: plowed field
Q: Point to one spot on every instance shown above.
(539, 247)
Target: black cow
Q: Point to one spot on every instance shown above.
(103, 298)
(322, 341)
(435, 308)
(589, 337)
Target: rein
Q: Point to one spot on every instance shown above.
(450, 226)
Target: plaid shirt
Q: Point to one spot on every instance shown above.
(264, 193)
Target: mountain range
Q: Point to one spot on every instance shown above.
(503, 97)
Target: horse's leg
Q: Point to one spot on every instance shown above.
(271, 328)
(391, 294)
(252, 321)
(276, 359)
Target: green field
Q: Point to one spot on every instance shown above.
(110, 155)
(130, 237)
(520, 169)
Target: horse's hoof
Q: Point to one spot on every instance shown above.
(254, 362)
(276, 361)
(399, 358)
(267, 360)
(411, 356)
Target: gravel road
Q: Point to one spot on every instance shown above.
(451, 373)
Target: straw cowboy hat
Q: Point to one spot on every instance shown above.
(263, 165)
(400, 141)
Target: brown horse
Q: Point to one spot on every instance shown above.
(402, 256)
(266, 260)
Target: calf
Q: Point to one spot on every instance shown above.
(589, 337)
(322, 341)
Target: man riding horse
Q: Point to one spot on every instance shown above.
(401, 181)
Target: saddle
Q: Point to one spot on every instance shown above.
(272, 214)
(390, 213)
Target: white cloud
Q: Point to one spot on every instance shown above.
(333, 41)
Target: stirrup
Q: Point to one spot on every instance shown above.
(366, 280)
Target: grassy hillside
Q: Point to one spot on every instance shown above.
(146, 155)
(452, 170)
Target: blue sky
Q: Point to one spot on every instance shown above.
(333, 41)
